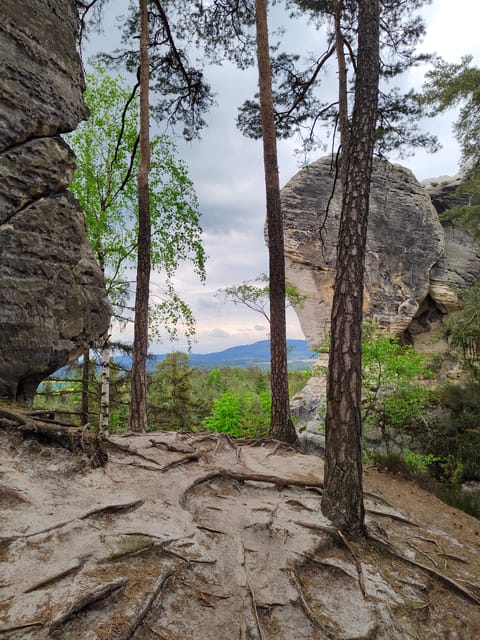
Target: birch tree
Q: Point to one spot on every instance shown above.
(104, 183)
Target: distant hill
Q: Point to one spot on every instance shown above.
(249, 355)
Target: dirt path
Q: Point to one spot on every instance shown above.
(186, 537)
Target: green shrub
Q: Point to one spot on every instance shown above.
(241, 415)
(455, 435)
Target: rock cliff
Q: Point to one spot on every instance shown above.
(413, 263)
(52, 298)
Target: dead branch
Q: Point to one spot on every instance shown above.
(87, 599)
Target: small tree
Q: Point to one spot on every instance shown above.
(255, 295)
(171, 402)
(392, 397)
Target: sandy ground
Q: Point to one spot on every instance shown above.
(187, 537)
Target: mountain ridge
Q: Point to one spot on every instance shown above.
(256, 354)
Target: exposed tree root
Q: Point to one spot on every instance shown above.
(157, 589)
(278, 481)
(23, 625)
(121, 507)
(98, 511)
(393, 516)
(70, 437)
(252, 595)
(452, 584)
(423, 553)
(132, 452)
(387, 547)
(86, 600)
(191, 457)
(311, 615)
(171, 447)
(358, 564)
(55, 578)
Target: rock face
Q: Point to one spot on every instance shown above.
(52, 298)
(413, 264)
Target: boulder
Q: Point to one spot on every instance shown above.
(413, 264)
(53, 302)
(42, 77)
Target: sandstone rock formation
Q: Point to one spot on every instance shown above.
(413, 264)
(52, 298)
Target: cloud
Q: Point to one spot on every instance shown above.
(219, 333)
(227, 170)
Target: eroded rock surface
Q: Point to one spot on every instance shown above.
(52, 298)
(413, 264)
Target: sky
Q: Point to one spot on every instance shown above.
(227, 172)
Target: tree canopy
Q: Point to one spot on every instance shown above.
(105, 185)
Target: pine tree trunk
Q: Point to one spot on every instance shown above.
(342, 500)
(103, 426)
(342, 87)
(281, 426)
(85, 409)
(138, 403)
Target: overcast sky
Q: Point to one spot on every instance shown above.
(227, 171)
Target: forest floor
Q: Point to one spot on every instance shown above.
(199, 537)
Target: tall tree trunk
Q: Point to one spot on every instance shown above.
(138, 403)
(85, 409)
(281, 426)
(342, 500)
(342, 87)
(104, 420)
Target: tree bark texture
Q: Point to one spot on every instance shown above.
(104, 420)
(281, 426)
(342, 500)
(85, 410)
(138, 403)
(343, 122)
